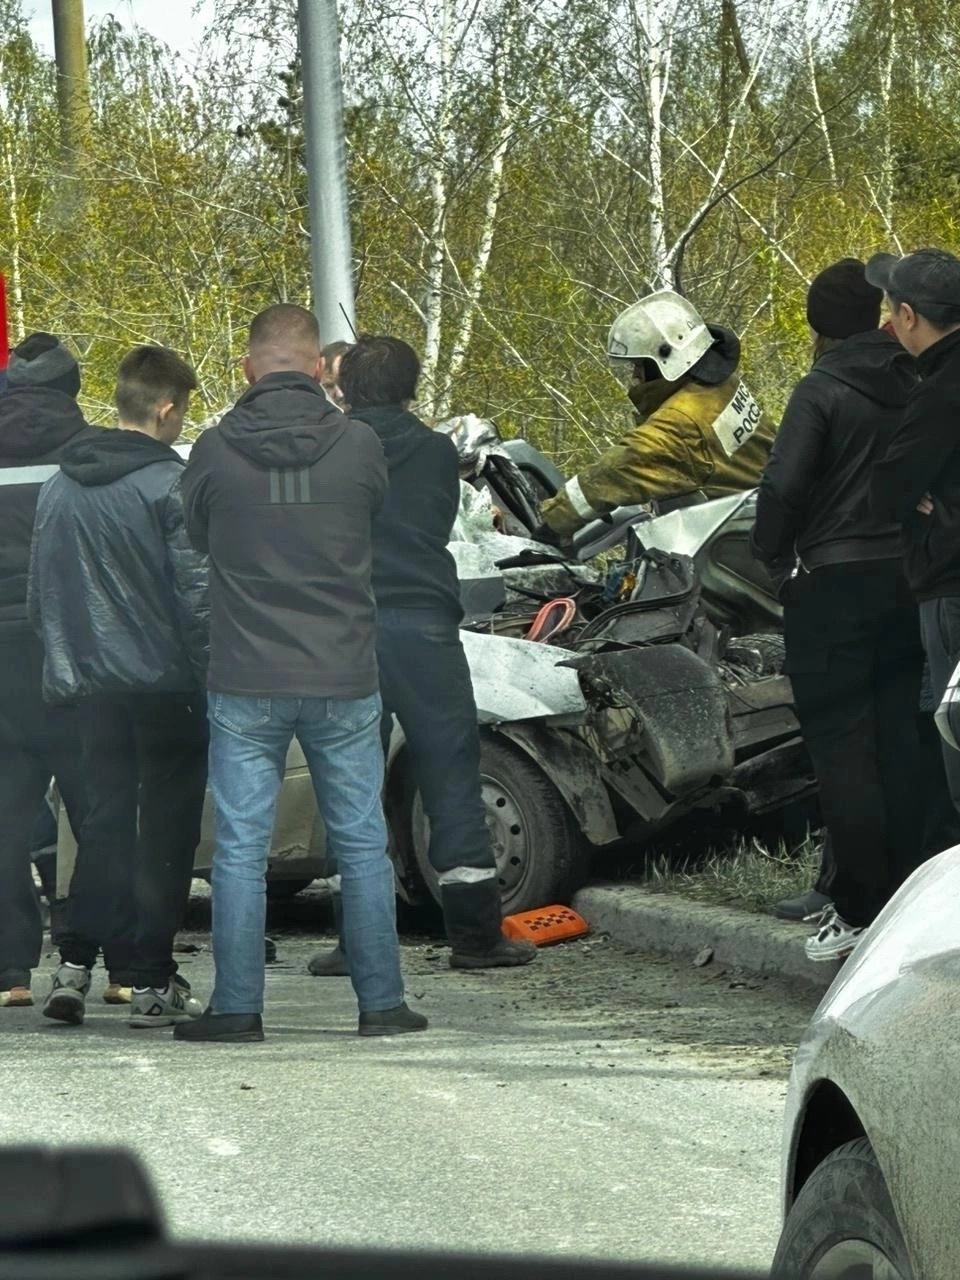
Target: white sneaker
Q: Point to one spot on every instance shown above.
(152, 1008)
(834, 939)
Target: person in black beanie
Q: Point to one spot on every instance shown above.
(851, 628)
(39, 417)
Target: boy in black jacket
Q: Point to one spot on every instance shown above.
(424, 677)
(120, 599)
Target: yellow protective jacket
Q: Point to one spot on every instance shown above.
(713, 440)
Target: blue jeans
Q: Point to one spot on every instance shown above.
(340, 737)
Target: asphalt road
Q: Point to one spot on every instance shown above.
(601, 1103)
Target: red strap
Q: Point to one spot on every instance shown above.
(4, 340)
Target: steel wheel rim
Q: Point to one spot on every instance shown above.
(509, 837)
(509, 834)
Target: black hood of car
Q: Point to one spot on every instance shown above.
(113, 455)
(400, 433)
(284, 420)
(37, 421)
(873, 363)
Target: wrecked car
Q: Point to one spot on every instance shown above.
(613, 698)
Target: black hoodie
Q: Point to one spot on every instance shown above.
(282, 493)
(412, 568)
(116, 591)
(36, 423)
(814, 501)
(924, 457)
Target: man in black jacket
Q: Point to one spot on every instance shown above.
(424, 677)
(281, 493)
(119, 598)
(917, 483)
(39, 418)
(851, 630)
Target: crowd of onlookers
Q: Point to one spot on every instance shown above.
(169, 623)
(858, 519)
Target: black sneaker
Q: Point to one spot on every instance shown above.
(227, 1028)
(67, 999)
(391, 1022)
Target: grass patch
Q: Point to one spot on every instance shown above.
(745, 874)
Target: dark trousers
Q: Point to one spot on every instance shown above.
(940, 627)
(146, 760)
(855, 661)
(36, 743)
(425, 682)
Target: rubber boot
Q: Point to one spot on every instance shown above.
(473, 916)
(333, 962)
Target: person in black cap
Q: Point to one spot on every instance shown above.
(917, 483)
(851, 629)
(39, 417)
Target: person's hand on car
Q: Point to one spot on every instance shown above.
(925, 505)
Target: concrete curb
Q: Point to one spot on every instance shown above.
(669, 925)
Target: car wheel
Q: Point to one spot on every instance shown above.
(284, 890)
(541, 854)
(842, 1225)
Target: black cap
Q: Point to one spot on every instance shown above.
(841, 303)
(41, 360)
(928, 278)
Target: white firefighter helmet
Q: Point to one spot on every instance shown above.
(663, 327)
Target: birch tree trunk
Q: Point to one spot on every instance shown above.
(435, 248)
(654, 22)
(481, 262)
(16, 273)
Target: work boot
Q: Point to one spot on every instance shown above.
(223, 1028)
(68, 995)
(391, 1022)
(806, 906)
(332, 963)
(473, 915)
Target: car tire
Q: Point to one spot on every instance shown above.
(843, 1223)
(542, 856)
(284, 890)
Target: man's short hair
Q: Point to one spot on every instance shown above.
(148, 376)
(378, 370)
(285, 325)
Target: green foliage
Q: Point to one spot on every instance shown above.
(188, 213)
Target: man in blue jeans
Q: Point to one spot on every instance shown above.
(281, 495)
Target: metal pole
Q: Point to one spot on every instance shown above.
(73, 92)
(330, 251)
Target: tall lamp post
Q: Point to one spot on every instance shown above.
(73, 88)
(331, 257)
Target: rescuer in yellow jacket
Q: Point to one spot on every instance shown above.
(699, 431)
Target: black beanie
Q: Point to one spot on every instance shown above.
(42, 361)
(841, 303)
